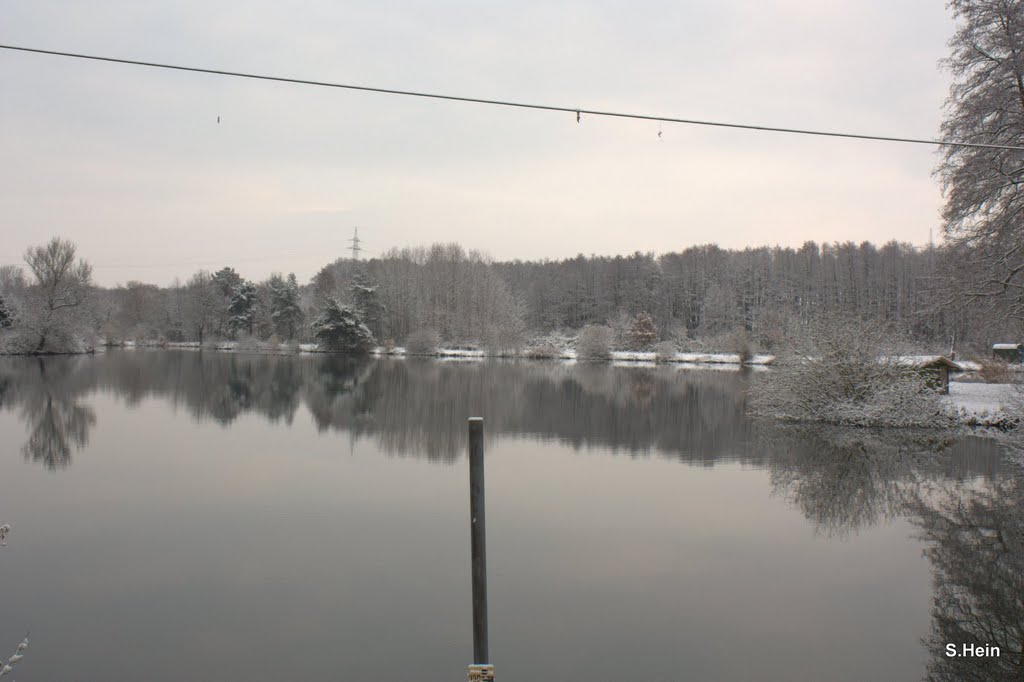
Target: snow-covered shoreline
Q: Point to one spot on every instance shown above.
(984, 404)
(615, 357)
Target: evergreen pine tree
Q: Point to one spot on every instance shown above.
(285, 311)
(339, 328)
(242, 307)
(366, 300)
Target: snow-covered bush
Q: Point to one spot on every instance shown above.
(422, 342)
(595, 343)
(338, 328)
(6, 315)
(846, 372)
(665, 351)
(642, 332)
(543, 351)
(506, 337)
(248, 343)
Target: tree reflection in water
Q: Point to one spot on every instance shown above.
(58, 423)
(976, 548)
(846, 479)
(972, 522)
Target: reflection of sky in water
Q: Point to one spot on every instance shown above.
(273, 539)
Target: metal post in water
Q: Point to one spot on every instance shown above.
(481, 670)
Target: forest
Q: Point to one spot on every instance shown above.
(702, 297)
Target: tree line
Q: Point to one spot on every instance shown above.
(700, 296)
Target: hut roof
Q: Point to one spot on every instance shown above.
(924, 361)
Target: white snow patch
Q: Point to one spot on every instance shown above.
(916, 360)
(381, 350)
(460, 353)
(723, 358)
(983, 399)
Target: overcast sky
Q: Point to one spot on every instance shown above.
(132, 165)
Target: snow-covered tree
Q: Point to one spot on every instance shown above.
(62, 284)
(507, 334)
(325, 284)
(984, 187)
(12, 280)
(366, 300)
(285, 308)
(225, 282)
(200, 305)
(242, 307)
(338, 327)
(6, 316)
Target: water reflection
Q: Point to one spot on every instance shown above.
(968, 508)
(976, 548)
(417, 407)
(845, 479)
(58, 423)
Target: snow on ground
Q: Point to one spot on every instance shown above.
(728, 358)
(624, 356)
(982, 399)
(617, 357)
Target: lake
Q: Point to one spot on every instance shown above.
(216, 516)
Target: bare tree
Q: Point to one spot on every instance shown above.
(202, 304)
(12, 279)
(62, 284)
(984, 211)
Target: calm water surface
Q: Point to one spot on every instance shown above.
(185, 515)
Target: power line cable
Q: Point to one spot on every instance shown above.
(578, 111)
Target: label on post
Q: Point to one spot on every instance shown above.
(481, 673)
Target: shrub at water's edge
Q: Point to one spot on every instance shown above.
(595, 343)
(844, 371)
(423, 341)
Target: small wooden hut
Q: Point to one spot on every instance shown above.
(934, 368)
(1008, 352)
